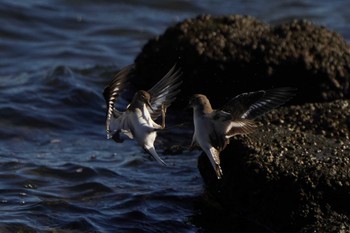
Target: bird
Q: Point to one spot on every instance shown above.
(137, 121)
(213, 128)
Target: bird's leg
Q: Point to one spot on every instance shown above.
(163, 116)
(193, 145)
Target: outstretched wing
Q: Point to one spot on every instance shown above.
(112, 92)
(253, 104)
(164, 92)
(225, 127)
(241, 126)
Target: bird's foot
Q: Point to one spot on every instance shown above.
(164, 108)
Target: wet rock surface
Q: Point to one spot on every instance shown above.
(293, 173)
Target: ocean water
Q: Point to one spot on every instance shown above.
(58, 173)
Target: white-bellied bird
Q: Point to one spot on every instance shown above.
(213, 128)
(138, 120)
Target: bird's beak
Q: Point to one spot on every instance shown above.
(149, 105)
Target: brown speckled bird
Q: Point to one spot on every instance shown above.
(213, 128)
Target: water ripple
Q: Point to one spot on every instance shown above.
(58, 173)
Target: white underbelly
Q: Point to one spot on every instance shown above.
(202, 130)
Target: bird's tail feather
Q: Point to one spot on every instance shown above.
(154, 154)
(215, 161)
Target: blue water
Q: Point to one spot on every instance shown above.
(58, 173)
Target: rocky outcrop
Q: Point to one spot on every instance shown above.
(235, 54)
(293, 173)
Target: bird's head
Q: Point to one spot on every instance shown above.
(143, 97)
(200, 102)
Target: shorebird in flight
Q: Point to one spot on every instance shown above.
(213, 128)
(138, 120)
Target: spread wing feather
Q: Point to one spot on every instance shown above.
(164, 92)
(242, 126)
(253, 104)
(112, 92)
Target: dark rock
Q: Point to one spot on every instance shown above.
(293, 173)
(235, 54)
(289, 174)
